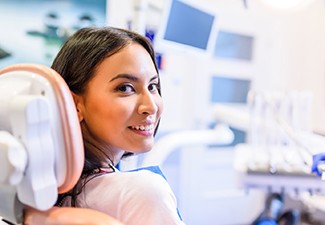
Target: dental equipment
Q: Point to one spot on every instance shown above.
(220, 135)
(279, 155)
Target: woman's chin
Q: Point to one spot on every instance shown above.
(140, 149)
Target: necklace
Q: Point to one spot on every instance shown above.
(111, 169)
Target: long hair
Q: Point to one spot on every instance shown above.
(77, 62)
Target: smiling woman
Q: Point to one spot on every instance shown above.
(121, 100)
(114, 80)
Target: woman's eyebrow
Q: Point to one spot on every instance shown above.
(154, 78)
(124, 76)
(130, 77)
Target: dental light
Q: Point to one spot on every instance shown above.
(41, 151)
(286, 4)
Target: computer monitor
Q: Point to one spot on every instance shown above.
(186, 26)
(229, 90)
(234, 46)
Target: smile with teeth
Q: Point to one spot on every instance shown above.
(143, 127)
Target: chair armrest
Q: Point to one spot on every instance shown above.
(68, 216)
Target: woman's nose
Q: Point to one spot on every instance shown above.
(148, 103)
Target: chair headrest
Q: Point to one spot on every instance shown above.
(38, 112)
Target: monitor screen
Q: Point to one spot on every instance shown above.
(233, 46)
(188, 25)
(229, 90)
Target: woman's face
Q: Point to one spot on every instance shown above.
(121, 105)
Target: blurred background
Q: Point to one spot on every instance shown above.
(34, 30)
(222, 62)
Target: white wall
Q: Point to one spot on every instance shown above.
(296, 56)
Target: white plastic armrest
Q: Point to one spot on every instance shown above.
(68, 216)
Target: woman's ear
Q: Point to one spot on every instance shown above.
(78, 101)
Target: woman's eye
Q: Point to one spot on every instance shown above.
(125, 88)
(153, 87)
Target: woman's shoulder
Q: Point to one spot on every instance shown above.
(149, 181)
(141, 184)
(134, 180)
(125, 194)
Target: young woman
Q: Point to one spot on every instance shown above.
(115, 84)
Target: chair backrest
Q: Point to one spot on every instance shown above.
(41, 148)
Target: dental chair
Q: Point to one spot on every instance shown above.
(41, 150)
